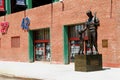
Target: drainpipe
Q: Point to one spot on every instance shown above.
(62, 4)
(111, 8)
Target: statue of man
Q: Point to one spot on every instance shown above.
(92, 23)
(81, 41)
(81, 32)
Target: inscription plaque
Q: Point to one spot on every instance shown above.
(105, 43)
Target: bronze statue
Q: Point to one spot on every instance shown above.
(91, 24)
(81, 41)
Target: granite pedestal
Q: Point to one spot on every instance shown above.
(87, 63)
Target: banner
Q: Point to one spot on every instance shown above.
(4, 27)
(25, 23)
(2, 8)
(20, 2)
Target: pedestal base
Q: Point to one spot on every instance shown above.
(88, 62)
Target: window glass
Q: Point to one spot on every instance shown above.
(18, 5)
(73, 30)
(42, 34)
(74, 39)
(42, 44)
(36, 3)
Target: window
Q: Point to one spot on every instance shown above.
(15, 42)
(42, 44)
(18, 5)
(73, 34)
(42, 34)
(36, 3)
(74, 39)
(2, 7)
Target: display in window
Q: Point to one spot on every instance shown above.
(48, 55)
(42, 52)
(39, 51)
(74, 49)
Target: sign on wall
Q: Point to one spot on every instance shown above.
(2, 5)
(105, 43)
(4, 27)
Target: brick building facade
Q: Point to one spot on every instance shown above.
(58, 17)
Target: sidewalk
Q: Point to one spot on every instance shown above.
(47, 71)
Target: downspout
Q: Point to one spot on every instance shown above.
(111, 8)
(51, 25)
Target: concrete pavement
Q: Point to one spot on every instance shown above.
(47, 71)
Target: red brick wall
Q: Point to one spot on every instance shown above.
(14, 54)
(56, 16)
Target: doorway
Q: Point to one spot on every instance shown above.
(71, 41)
(42, 45)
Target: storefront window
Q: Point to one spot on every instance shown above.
(74, 48)
(42, 34)
(74, 40)
(18, 5)
(36, 3)
(2, 8)
(42, 45)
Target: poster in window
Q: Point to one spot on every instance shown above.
(1, 5)
(20, 2)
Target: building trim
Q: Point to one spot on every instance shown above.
(31, 47)
(66, 54)
(7, 6)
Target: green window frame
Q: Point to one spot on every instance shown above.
(66, 53)
(31, 47)
(55, 0)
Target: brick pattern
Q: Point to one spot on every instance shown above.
(15, 42)
(55, 16)
(0, 42)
